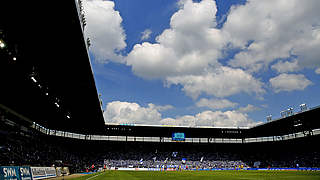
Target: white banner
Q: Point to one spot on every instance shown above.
(43, 172)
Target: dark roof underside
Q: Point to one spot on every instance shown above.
(47, 40)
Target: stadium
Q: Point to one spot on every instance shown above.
(52, 124)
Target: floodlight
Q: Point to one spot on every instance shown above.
(296, 125)
(14, 58)
(283, 113)
(2, 44)
(303, 107)
(33, 79)
(269, 118)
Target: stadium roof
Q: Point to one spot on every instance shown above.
(45, 70)
(299, 122)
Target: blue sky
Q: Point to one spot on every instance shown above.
(203, 63)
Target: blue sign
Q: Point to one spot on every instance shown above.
(178, 137)
(15, 172)
(25, 173)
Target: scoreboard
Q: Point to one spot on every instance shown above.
(178, 136)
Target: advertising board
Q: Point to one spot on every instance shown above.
(15, 173)
(43, 172)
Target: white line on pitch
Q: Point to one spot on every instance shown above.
(94, 176)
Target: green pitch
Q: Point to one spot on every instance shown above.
(203, 175)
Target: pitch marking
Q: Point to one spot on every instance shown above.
(94, 176)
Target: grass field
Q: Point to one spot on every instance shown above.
(203, 175)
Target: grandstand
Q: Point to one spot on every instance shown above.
(50, 115)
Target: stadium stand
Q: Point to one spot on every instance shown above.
(29, 146)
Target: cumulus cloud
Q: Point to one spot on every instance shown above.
(104, 30)
(259, 28)
(248, 108)
(289, 82)
(221, 82)
(145, 34)
(212, 118)
(308, 47)
(265, 34)
(160, 108)
(187, 53)
(190, 45)
(186, 120)
(151, 60)
(286, 66)
(215, 103)
(132, 113)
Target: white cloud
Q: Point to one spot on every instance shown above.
(222, 82)
(131, 113)
(188, 51)
(212, 118)
(287, 66)
(192, 32)
(186, 120)
(145, 34)
(104, 30)
(289, 82)
(187, 54)
(215, 103)
(317, 71)
(151, 60)
(273, 34)
(248, 108)
(189, 46)
(308, 47)
(160, 108)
